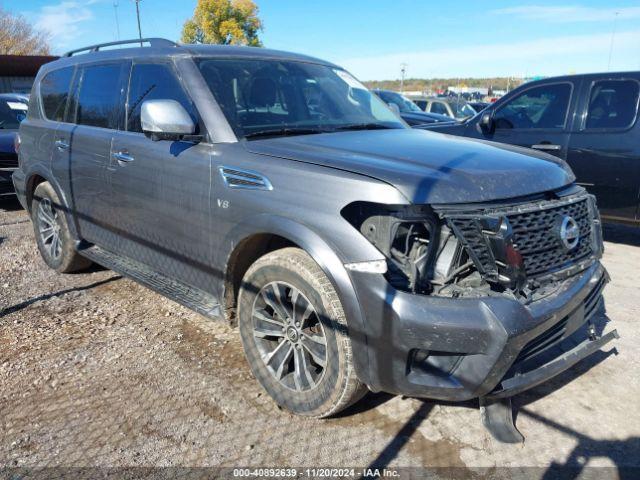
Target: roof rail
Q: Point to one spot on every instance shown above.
(153, 42)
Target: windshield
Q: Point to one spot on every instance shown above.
(404, 104)
(12, 112)
(269, 97)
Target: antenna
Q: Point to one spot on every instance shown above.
(138, 15)
(613, 37)
(115, 10)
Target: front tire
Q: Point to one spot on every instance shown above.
(52, 232)
(295, 337)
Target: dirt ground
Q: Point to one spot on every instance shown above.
(97, 371)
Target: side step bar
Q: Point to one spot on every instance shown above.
(191, 297)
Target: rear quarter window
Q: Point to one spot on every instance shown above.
(54, 93)
(613, 104)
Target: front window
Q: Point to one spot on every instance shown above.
(404, 104)
(12, 113)
(462, 110)
(269, 97)
(543, 107)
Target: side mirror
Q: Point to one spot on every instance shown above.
(394, 108)
(486, 122)
(165, 120)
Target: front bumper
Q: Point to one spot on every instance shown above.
(459, 349)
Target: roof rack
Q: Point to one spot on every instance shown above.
(153, 42)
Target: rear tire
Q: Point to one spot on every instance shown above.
(52, 232)
(295, 337)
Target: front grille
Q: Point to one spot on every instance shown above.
(534, 235)
(536, 241)
(8, 160)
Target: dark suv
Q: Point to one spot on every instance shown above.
(591, 121)
(275, 190)
(13, 109)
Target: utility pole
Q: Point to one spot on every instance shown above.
(138, 14)
(613, 36)
(403, 71)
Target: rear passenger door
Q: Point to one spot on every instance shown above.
(97, 111)
(604, 151)
(160, 189)
(539, 118)
(55, 140)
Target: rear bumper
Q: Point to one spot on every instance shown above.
(6, 184)
(19, 184)
(459, 349)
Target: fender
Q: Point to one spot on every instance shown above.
(326, 258)
(39, 170)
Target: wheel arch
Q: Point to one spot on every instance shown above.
(247, 243)
(38, 176)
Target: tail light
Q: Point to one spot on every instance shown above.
(17, 142)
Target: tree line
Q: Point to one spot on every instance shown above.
(437, 84)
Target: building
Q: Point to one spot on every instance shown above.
(18, 72)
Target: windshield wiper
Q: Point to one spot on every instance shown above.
(274, 132)
(364, 126)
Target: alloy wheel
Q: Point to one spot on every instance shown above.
(49, 228)
(290, 336)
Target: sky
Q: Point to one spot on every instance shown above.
(373, 38)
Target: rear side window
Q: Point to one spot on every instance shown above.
(99, 97)
(543, 107)
(438, 107)
(153, 81)
(613, 104)
(54, 92)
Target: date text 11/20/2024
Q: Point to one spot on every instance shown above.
(315, 473)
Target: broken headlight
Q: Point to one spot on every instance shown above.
(423, 255)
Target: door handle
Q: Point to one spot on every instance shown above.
(62, 145)
(546, 146)
(123, 157)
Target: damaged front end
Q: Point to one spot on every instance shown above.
(522, 249)
(476, 299)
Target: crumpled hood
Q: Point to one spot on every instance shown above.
(6, 141)
(427, 167)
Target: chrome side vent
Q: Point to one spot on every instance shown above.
(237, 178)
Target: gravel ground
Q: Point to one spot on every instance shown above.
(96, 370)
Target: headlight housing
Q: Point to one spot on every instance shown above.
(421, 251)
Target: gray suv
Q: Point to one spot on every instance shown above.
(353, 252)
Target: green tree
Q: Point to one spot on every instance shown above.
(226, 22)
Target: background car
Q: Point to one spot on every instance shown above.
(13, 109)
(408, 110)
(590, 120)
(455, 108)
